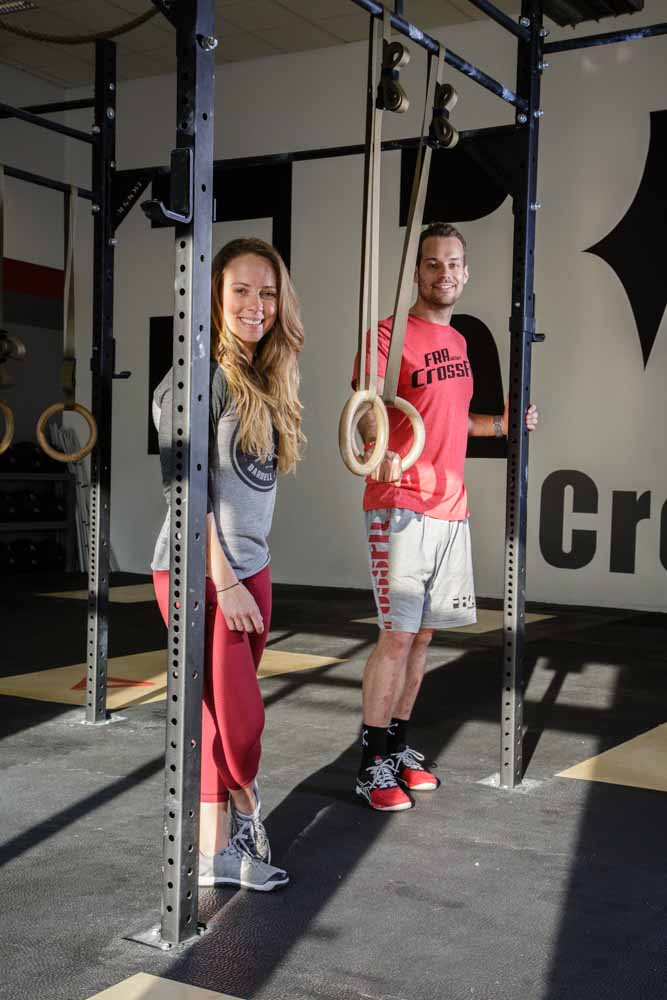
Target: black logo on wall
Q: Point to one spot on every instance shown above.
(635, 248)
(251, 470)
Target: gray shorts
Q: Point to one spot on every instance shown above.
(421, 568)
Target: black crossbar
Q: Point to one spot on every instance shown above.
(53, 108)
(47, 182)
(501, 18)
(420, 37)
(331, 152)
(26, 116)
(610, 38)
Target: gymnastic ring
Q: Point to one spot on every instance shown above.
(347, 426)
(60, 456)
(8, 436)
(418, 432)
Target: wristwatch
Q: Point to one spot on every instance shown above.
(498, 426)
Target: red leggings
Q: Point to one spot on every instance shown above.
(232, 709)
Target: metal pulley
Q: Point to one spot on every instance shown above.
(11, 349)
(441, 131)
(391, 96)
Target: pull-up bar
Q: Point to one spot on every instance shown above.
(53, 107)
(26, 116)
(47, 182)
(610, 38)
(451, 58)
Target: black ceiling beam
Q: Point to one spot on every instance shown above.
(168, 8)
(501, 18)
(572, 12)
(610, 38)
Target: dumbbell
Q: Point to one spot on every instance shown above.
(31, 506)
(9, 508)
(25, 555)
(7, 560)
(51, 554)
(53, 507)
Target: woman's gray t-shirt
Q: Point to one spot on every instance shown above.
(241, 488)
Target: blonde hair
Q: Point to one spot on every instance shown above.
(265, 390)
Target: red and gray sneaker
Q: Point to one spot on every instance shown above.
(377, 784)
(410, 771)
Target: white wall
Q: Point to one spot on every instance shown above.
(33, 215)
(602, 414)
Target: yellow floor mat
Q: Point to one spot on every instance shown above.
(134, 593)
(639, 763)
(276, 662)
(145, 987)
(487, 621)
(137, 679)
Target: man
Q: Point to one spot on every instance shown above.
(417, 523)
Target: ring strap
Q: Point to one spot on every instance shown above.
(68, 370)
(2, 246)
(411, 241)
(369, 294)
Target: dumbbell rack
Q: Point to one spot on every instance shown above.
(66, 526)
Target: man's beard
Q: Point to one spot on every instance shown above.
(439, 297)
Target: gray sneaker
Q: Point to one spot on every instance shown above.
(234, 866)
(249, 828)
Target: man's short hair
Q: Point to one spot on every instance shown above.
(440, 229)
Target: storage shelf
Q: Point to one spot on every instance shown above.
(59, 483)
(7, 527)
(34, 477)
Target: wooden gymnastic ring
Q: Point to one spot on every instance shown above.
(418, 432)
(349, 418)
(8, 436)
(60, 456)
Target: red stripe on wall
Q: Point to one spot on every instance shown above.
(34, 279)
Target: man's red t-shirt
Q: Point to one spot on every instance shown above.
(436, 378)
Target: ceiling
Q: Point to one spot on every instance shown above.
(248, 29)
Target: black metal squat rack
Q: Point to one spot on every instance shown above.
(113, 195)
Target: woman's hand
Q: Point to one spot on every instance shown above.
(389, 469)
(240, 609)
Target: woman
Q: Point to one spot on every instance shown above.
(255, 432)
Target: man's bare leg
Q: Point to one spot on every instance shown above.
(408, 762)
(384, 676)
(414, 675)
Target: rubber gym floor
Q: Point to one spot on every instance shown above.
(555, 891)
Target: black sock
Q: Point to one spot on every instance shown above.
(373, 744)
(397, 735)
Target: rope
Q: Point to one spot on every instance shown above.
(412, 231)
(100, 36)
(68, 374)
